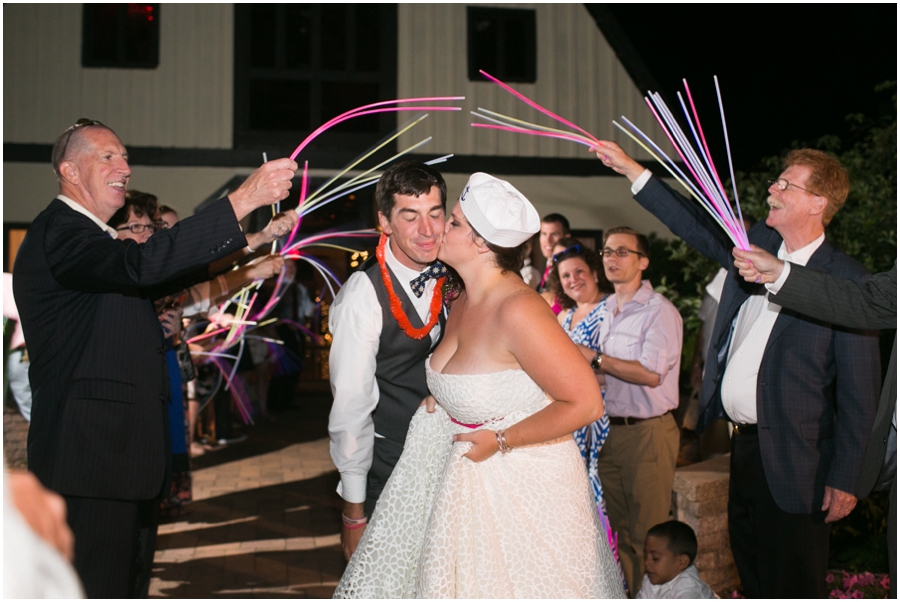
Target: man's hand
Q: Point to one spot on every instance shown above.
(612, 155)
(265, 186)
(757, 265)
(262, 268)
(350, 537)
(43, 510)
(279, 226)
(170, 320)
(484, 444)
(838, 504)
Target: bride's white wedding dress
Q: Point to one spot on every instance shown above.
(520, 525)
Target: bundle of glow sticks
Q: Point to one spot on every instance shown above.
(295, 248)
(511, 124)
(706, 186)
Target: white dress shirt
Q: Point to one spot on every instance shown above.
(755, 321)
(355, 324)
(685, 585)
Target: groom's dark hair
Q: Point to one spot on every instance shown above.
(411, 178)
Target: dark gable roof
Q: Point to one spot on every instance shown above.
(624, 49)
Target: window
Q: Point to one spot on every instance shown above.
(503, 42)
(120, 36)
(299, 65)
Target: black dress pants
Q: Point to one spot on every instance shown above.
(107, 544)
(777, 554)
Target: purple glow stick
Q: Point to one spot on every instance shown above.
(507, 128)
(730, 166)
(700, 173)
(359, 111)
(535, 105)
(729, 227)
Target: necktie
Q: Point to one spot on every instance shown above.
(435, 270)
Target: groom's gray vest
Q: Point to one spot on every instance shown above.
(400, 363)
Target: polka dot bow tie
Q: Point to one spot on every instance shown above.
(435, 270)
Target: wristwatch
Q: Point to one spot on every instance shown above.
(595, 363)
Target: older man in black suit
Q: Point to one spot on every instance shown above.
(871, 305)
(99, 431)
(801, 392)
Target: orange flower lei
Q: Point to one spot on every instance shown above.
(396, 307)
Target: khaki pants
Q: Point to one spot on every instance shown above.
(637, 469)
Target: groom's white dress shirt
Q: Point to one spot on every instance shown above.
(355, 320)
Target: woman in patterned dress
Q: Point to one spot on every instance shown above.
(581, 288)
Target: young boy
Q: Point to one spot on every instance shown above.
(669, 552)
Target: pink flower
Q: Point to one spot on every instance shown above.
(866, 578)
(856, 594)
(850, 581)
(836, 593)
(829, 578)
(885, 581)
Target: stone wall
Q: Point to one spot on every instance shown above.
(701, 500)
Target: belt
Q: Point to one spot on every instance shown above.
(743, 429)
(628, 421)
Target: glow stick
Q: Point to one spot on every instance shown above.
(698, 160)
(703, 177)
(512, 120)
(730, 166)
(364, 111)
(535, 105)
(573, 138)
(394, 135)
(687, 186)
(729, 228)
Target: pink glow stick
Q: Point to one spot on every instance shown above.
(363, 111)
(706, 147)
(299, 204)
(535, 105)
(206, 335)
(507, 128)
(729, 226)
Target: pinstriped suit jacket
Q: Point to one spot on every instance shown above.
(98, 371)
(818, 384)
(873, 305)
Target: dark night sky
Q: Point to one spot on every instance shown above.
(787, 72)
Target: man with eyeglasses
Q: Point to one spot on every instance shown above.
(640, 358)
(99, 431)
(801, 393)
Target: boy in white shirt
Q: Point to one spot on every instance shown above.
(669, 552)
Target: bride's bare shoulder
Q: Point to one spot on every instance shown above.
(524, 303)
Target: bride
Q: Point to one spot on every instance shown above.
(490, 498)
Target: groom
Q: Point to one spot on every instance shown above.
(384, 322)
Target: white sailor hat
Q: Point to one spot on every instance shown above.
(497, 211)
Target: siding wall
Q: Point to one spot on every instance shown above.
(578, 78)
(185, 102)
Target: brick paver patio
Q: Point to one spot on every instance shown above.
(265, 518)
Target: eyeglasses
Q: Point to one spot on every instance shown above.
(558, 256)
(782, 185)
(80, 123)
(139, 228)
(620, 252)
